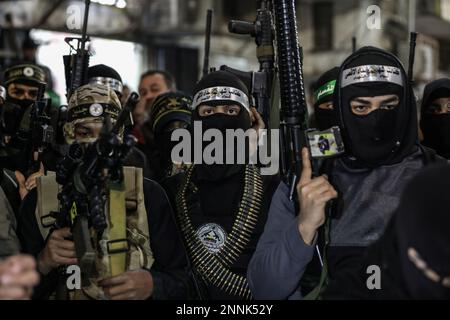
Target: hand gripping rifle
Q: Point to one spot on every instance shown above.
(89, 177)
(76, 64)
(260, 82)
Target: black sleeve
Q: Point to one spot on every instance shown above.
(33, 243)
(136, 158)
(28, 230)
(9, 184)
(171, 272)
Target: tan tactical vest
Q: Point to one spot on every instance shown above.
(134, 226)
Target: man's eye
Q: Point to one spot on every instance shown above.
(33, 94)
(434, 109)
(206, 111)
(18, 92)
(360, 108)
(231, 111)
(388, 106)
(155, 89)
(82, 132)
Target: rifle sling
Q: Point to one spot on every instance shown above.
(117, 243)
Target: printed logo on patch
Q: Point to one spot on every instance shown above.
(212, 236)
(96, 110)
(28, 72)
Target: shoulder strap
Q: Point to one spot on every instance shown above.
(47, 202)
(316, 293)
(137, 222)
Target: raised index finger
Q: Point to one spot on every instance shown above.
(306, 167)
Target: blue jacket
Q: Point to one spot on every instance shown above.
(281, 256)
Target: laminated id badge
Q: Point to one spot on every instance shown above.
(325, 144)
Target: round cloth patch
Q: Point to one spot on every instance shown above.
(96, 110)
(28, 72)
(212, 236)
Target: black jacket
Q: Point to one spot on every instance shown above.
(223, 212)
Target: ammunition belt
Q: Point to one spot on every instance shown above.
(214, 267)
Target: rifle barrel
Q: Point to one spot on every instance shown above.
(125, 113)
(207, 41)
(412, 55)
(292, 91)
(85, 23)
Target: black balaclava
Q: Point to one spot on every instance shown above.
(323, 92)
(384, 136)
(221, 86)
(436, 127)
(422, 222)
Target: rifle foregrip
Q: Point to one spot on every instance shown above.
(241, 27)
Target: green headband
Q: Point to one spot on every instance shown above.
(325, 90)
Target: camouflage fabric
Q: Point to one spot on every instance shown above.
(90, 103)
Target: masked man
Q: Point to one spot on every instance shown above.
(435, 116)
(412, 257)
(106, 76)
(156, 263)
(377, 114)
(170, 111)
(23, 83)
(323, 88)
(222, 207)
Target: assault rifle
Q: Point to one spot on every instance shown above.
(294, 132)
(76, 64)
(260, 82)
